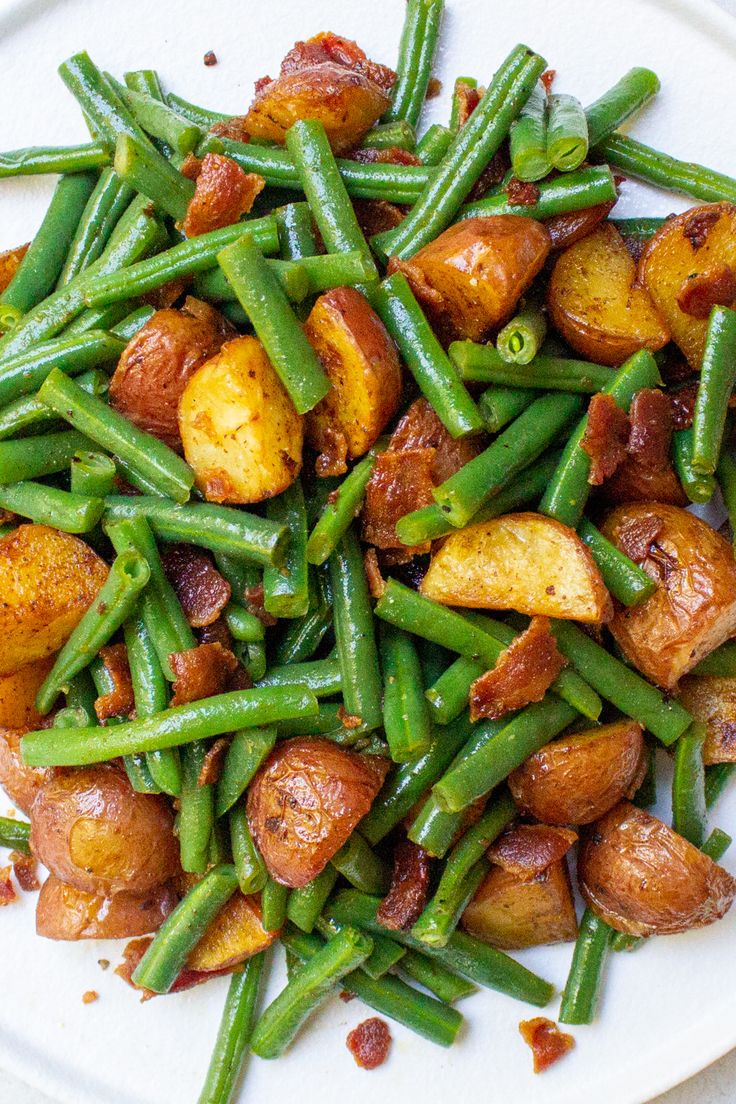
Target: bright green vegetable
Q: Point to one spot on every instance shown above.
(567, 132)
(355, 633)
(689, 813)
(584, 982)
(234, 1034)
(417, 47)
(529, 154)
(717, 378)
(64, 510)
(405, 711)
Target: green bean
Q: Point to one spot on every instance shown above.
(250, 867)
(567, 493)
(306, 904)
(92, 473)
(39, 270)
(15, 834)
(717, 378)
(234, 1034)
(434, 661)
(151, 696)
(529, 154)
(101, 214)
(360, 866)
(355, 633)
(520, 339)
(616, 105)
(641, 161)
(434, 144)
(243, 624)
(304, 635)
(717, 844)
(100, 103)
(587, 187)
(285, 589)
(274, 898)
(136, 766)
(71, 513)
(626, 581)
(399, 134)
(248, 748)
(158, 120)
(291, 276)
(108, 318)
(141, 166)
(698, 486)
(726, 477)
(567, 132)
(689, 814)
(37, 160)
(298, 279)
(721, 662)
(219, 528)
(424, 356)
(584, 982)
(431, 975)
(322, 676)
(340, 510)
(383, 957)
(419, 39)
(131, 323)
(296, 232)
(484, 364)
(717, 778)
(463, 494)
(196, 811)
(81, 696)
(614, 681)
(643, 229)
(405, 712)
(202, 116)
(469, 153)
(24, 374)
(448, 696)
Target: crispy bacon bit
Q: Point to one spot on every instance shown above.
(201, 672)
(377, 215)
(547, 79)
(434, 88)
(401, 482)
(421, 428)
(493, 173)
(682, 405)
(522, 193)
(650, 417)
(90, 996)
(7, 890)
(705, 290)
(376, 581)
(405, 901)
(605, 438)
(467, 98)
(10, 263)
(391, 155)
(120, 701)
(234, 128)
(254, 604)
(223, 194)
(547, 1042)
(24, 868)
(329, 47)
(523, 673)
(574, 225)
(369, 1043)
(637, 535)
(191, 166)
(213, 761)
(216, 633)
(210, 58)
(348, 720)
(698, 226)
(163, 297)
(526, 850)
(199, 586)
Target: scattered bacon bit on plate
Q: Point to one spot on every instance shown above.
(7, 890)
(90, 996)
(210, 58)
(24, 868)
(369, 1043)
(548, 1044)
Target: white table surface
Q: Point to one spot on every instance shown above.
(715, 1085)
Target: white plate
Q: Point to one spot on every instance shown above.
(669, 1009)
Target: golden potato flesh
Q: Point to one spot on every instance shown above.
(305, 801)
(48, 580)
(687, 268)
(713, 701)
(577, 778)
(523, 562)
(235, 934)
(240, 430)
(93, 831)
(511, 912)
(472, 276)
(21, 783)
(362, 364)
(18, 695)
(693, 609)
(63, 912)
(642, 878)
(595, 304)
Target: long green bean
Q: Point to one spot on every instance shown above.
(584, 982)
(355, 633)
(478, 363)
(405, 712)
(39, 160)
(417, 47)
(234, 1033)
(616, 105)
(717, 378)
(285, 589)
(248, 748)
(64, 510)
(101, 215)
(689, 813)
(587, 187)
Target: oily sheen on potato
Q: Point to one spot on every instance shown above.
(66, 913)
(712, 700)
(512, 912)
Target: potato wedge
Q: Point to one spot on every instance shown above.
(694, 607)
(713, 701)
(510, 912)
(577, 778)
(48, 580)
(21, 783)
(642, 878)
(692, 252)
(362, 364)
(524, 562)
(596, 306)
(239, 428)
(472, 276)
(235, 934)
(18, 694)
(63, 912)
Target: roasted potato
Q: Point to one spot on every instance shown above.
(713, 701)
(63, 912)
(694, 607)
(240, 430)
(18, 694)
(235, 934)
(595, 304)
(688, 267)
(21, 783)
(642, 878)
(363, 367)
(93, 831)
(511, 912)
(157, 364)
(577, 778)
(523, 562)
(472, 276)
(10, 263)
(304, 803)
(48, 580)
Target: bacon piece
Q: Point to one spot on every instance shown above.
(401, 482)
(573, 225)
(10, 263)
(523, 673)
(90, 996)
(705, 290)
(7, 890)
(377, 215)
(213, 761)
(369, 1043)
(199, 586)
(348, 720)
(548, 1044)
(547, 79)
(391, 155)
(467, 98)
(526, 850)
(405, 901)
(201, 672)
(650, 417)
(605, 438)
(24, 868)
(234, 128)
(637, 535)
(682, 405)
(421, 428)
(698, 226)
(223, 194)
(329, 47)
(253, 598)
(120, 701)
(493, 173)
(522, 193)
(210, 58)
(163, 297)
(376, 581)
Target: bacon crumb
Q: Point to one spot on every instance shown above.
(199, 586)
(704, 290)
(201, 672)
(682, 404)
(213, 761)
(522, 193)
(401, 482)
(376, 581)
(348, 720)
(605, 438)
(90, 996)
(24, 868)
(391, 155)
(405, 900)
(210, 58)
(650, 417)
(7, 891)
(523, 673)
(120, 701)
(548, 1044)
(234, 128)
(253, 598)
(377, 215)
(467, 98)
(346, 997)
(699, 225)
(526, 850)
(223, 194)
(103, 963)
(636, 536)
(547, 79)
(369, 1043)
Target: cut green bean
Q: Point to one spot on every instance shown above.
(92, 473)
(445, 985)
(101, 214)
(234, 1033)
(355, 633)
(298, 279)
(64, 510)
(136, 766)
(296, 231)
(567, 132)
(40, 160)
(448, 696)
(361, 866)
(274, 899)
(27, 412)
(642, 229)
(726, 477)
(689, 813)
(721, 662)
(306, 904)
(478, 363)
(340, 510)
(585, 980)
(434, 144)
(717, 378)
(196, 813)
(399, 134)
(615, 106)
(81, 696)
(717, 778)
(626, 581)
(24, 374)
(243, 624)
(141, 166)
(248, 748)
(322, 676)
(160, 121)
(151, 696)
(641, 161)
(285, 589)
(698, 487)
(405, 711)
(15, 835)
(304, 635)
(202, 116)
(249, 865)
(458, 96)
(520, 339)
(529, 154)
(717, 844)
(417, 47)
(576, 191)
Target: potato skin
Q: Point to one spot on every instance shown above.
(18, 695)
(713, 701)
(304, 803)
(511, 912)
(66, 913)
(596, 306)
(694, 607)
(575, 779)
(235, 934)
(240, 430)
(93, 831)
(48, 580)
(472, 276)
(362, 364)
(21, 783)
(642, 878)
